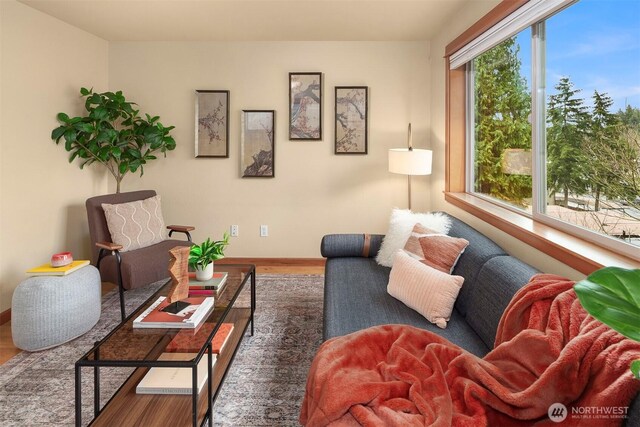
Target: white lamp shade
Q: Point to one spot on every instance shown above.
(410, 162)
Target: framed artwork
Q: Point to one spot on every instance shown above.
(257, 143)
(212, 123)
(351, 120)
(305, 106)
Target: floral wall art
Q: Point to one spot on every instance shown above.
(212, 123)
(257, 143)
(305, 106)
(351, 120)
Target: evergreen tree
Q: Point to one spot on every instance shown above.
(603, 137)
(630, 117)
(567, 119)
(502, 107)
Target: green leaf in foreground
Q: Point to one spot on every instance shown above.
(612, 295)
(635, 368)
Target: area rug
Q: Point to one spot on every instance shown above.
(264, 387)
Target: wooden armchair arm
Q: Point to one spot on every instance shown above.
(181, 229)
(108, 246)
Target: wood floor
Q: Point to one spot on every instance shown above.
(8, 350)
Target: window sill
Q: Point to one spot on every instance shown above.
(575, 252)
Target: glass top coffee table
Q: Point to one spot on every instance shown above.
(127, 347)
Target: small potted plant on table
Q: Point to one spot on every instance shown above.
(201, 257)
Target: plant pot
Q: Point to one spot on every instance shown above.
(205, 274)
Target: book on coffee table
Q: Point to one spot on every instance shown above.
(187, 342)
(215, 283)
(49, 270)
(212, 287)
(190, 317)
(174, 380)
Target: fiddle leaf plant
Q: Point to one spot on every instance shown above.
(113, 134)
(612, 295)
(204, 254)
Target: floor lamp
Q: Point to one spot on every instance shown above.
(410, 161)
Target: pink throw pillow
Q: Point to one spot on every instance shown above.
(428, 291)
(442, 252)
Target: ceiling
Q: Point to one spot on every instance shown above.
(251, 20)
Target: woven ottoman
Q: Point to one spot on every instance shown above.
(47, 311)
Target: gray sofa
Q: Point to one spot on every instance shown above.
(355, 293)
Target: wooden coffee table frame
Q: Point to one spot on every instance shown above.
(126, 407)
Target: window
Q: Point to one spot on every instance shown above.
(553, 117)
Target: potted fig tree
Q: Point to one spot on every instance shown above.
(202, 256)
(113, 134)
(612, 295)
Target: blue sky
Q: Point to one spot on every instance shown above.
(596, 43)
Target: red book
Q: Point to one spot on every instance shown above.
(187, 342)
(201, 292)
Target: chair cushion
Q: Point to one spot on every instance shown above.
(141, 266)
(136, 224)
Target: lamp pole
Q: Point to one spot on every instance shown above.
(410, 144)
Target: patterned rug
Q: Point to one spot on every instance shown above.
(264, 387)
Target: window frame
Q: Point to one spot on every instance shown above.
(549, 235)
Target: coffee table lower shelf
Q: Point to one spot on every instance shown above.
(127, 408)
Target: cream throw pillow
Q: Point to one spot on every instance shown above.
(428, 291)
(400, 225)
(135, 225)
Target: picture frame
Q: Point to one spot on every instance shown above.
(257, 143)
(212, 123)
(351, 120)
(305, 106)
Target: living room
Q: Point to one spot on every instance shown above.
(160, 53)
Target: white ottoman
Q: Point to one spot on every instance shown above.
(47, 311)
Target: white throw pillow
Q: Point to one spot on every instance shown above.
(428, 291)
(400, 225)
(135, 225)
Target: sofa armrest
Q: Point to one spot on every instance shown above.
(350, 245)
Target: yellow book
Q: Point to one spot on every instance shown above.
(48, 270)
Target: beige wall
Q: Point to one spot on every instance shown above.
(44, 63)
(466, 17)
(314, 192)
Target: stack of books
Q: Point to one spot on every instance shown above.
(185, 346)
(211, 287)
(190, 317)
(174, 380)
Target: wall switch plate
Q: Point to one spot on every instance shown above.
(234, 231)
(264, 230)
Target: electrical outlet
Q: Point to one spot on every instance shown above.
(264, 230)
(234, 231)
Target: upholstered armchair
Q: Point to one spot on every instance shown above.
(134, 267)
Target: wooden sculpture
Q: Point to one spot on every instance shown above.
(178, 269)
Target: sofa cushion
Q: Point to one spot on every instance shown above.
(400, 225)
(480, 250)
(356, 298)
(137, 224)
(499, 279)
(426, 290)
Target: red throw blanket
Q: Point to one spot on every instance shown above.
(548, 350)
